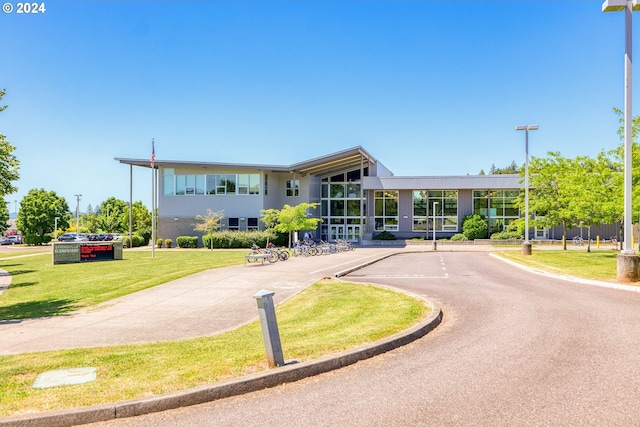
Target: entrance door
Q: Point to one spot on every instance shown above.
(336, 232)
(353, 233)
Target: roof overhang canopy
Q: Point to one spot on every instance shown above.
(350, 158)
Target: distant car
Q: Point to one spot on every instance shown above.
(5, 241)
(15, 239)
(67, 237)
(73, 237)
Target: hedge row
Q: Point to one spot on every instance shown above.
(242, 239)
(221, 240)
(229, 240)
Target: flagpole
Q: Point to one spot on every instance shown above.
(153, 199)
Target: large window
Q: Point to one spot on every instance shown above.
(218, 184)
(446, 210)
(440, 205)
(386, 210)
(189, 184)
(497, 207)
(248, 184)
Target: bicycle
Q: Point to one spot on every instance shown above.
(306, 250)
(282, 253)
(271, 256)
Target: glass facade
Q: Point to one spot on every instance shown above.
(440, 205)
(343, 203)
(497, 207)
(342, 206)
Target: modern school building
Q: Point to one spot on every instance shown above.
(357, 196)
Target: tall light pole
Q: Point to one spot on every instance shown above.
(526, 245)
(77, 196)
(55, 228)
(435, 244)
(627, 261)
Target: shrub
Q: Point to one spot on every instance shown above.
(506, 235)
(242, 239)
(459, 238)
(385, 235)
(159, 243)
(145, 235)
(474, 227)
(187, 241)
(517, 226)
(168, 243)
(136, 241)
(37, 240)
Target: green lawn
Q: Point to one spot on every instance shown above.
(39, 288)
(326, 318)
(596, 265)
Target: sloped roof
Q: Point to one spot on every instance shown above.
(320, 165)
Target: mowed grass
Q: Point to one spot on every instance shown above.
(326, 318)
(595, 265)
(39, 288)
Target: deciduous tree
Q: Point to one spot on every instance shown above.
(9, 164)
(291, 218)
(38, 210)
(210, 222)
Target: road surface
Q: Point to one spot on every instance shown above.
(514, 348)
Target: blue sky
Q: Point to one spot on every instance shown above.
(427, 87)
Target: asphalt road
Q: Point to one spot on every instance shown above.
(515, 348)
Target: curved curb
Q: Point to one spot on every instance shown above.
(610, 285)
(203, 394)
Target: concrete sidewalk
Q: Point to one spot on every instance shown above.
(202, 304)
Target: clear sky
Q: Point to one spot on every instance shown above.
(426, 87)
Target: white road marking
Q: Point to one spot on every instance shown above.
(403, 276)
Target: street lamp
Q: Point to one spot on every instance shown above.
(526, 246)
(627, 261)
(435, 244)
(77, 196)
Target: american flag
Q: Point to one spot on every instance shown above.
(153, 155)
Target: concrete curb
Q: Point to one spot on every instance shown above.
(365, 264)
(289, 373)
(610, 285)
